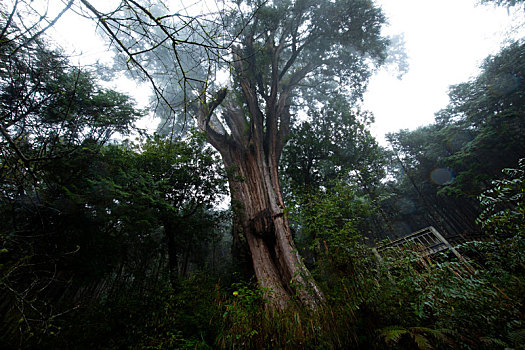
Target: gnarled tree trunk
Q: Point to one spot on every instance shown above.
(251, 157)
(256, 194)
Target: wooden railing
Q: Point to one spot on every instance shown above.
(427, 241)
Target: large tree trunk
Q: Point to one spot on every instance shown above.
(251, 148)
(261, 221)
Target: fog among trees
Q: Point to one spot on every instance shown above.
(262, 213)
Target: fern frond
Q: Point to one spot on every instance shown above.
(493, 341)
(392, 334)
(442, 334)
(422, 342)
(447, 335)
(518, 338)
(419, 329)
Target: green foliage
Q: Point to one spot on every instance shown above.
(417, 337)
(334, 144)
(406, 303)
(338, 210)
(97, 221)
(156, 318)
(115, 245)
(331, 169)
(503, 218)
(85, 222)
(504, 204)
(241, 320)
(247, 323)
(443, 168)
(330, 221)
(54, 119)
(484, 121)
(324, 38)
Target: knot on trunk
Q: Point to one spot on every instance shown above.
(262, 224)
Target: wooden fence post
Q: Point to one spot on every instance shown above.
(454, 251)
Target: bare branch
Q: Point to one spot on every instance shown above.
(50, 24)
(9, 20)
(114, 36)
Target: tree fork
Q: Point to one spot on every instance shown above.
(259, 210)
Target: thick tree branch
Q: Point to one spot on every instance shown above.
(295, 54)
(13, 145)
(250, 97)
(237, 123)
(204, 113)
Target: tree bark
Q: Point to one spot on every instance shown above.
(251, 149)
(256, 195)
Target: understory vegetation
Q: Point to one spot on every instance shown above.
(405, 301)
(113, 238)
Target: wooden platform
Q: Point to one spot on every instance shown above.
(427, 241)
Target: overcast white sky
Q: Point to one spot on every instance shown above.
(445, 40)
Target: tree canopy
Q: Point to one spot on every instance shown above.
(289, 54)
(82, 216)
